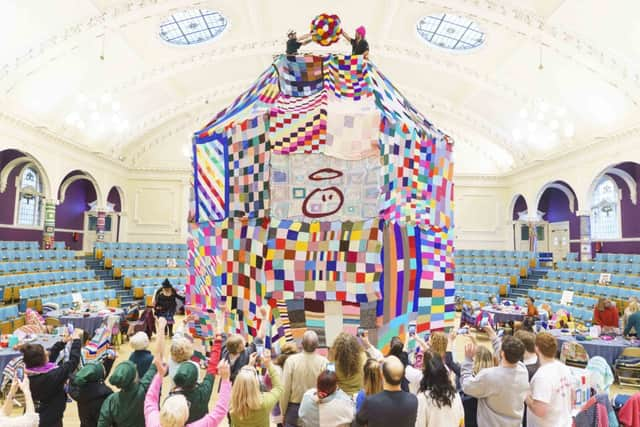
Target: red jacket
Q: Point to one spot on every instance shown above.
(607, 317)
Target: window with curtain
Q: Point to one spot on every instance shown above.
(29, 198)
(605, 210)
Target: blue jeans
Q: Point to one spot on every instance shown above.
(291, 416)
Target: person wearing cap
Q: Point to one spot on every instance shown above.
(165, 304)
(126, 407)
(359, 45)
(186, 381)
(294, 42)
(88, 389)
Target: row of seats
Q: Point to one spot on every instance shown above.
(552, 296)
(8, 312)
(578, 276)
(507, 262)
(146, 291)
(66, 300)
(488, 269)
(41, 291)
(10, 244)
(485, 289)
(582, 308)
(146, 253)
(601, 267)
(494, 253)
(35, 254)
(33, 266)
(620, 258)
(154, 272)
(474, 295)
(140, 246)
(155, 281)
(143, 263)
(49, 277)
(614, 292)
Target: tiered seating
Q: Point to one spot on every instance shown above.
(66, 300)
(17, 245)
(140, 255)
(582, 278)
(483, 273)
(137, 250)
(139, 279)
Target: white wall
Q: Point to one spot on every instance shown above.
(155, 202)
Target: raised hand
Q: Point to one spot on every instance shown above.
(160, 366)
(469, 350)
(252, 359)
(266, 358)
(24, 384)
(78, 334)
(224, 370)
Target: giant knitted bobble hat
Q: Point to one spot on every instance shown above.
(124, 375)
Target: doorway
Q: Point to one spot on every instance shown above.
(559, 239)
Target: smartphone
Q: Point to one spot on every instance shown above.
(463, 331)
(70, 328)
(500, 333)
(259, 349)
(412, 330)
(361, 332)
(20, 373)
(331, 367)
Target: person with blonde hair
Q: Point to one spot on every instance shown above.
(30, 418)
(175, 410)
(631, 318)
(372, 376)
(349, 358)
(249, 406)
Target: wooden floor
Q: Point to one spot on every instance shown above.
(71, 414)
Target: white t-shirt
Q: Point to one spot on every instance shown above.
(552, 384)
(429, 415)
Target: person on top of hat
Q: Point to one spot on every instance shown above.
(294, 42)
(359, 44)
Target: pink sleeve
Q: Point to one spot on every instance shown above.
(215, 417)
(151, 412)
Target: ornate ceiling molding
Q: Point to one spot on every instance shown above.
(614, 69)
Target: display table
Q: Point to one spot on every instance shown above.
(505, 314)
(45, 340)
(88, 322)
(609, 350)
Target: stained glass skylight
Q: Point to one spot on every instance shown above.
(192, 26)
(450, 32)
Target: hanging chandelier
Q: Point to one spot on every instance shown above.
(99, 117)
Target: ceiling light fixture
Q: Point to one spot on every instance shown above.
(540, 123)
(99, 117)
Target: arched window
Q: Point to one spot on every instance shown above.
(30, 197)
(605, 210)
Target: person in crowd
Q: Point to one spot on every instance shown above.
(286, 350)
(250, 407)
(551, 398)
(30, 418)
(397, 349)
(186, 381)
(236, 352)
(180, 351)
(349, 358)
(175, 410)
(482, 359)
(530, 358)
(326, 405)
(299, 375)
(359, 45)
(88, 389)
(47, 380)
(500, 390)
(631, 318)
(532, 310)
(140, 355)
(606, 314)
(392, 406)
(372, 376)
(165, 304)
(126, 407)
(438, 402)
(294, 42)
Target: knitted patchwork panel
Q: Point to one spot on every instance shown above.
(248, 163)
(324, 260)
(300, 75)
(210, 180)
(346, 76)
(298, 124)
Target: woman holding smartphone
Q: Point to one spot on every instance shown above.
(30, 418)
